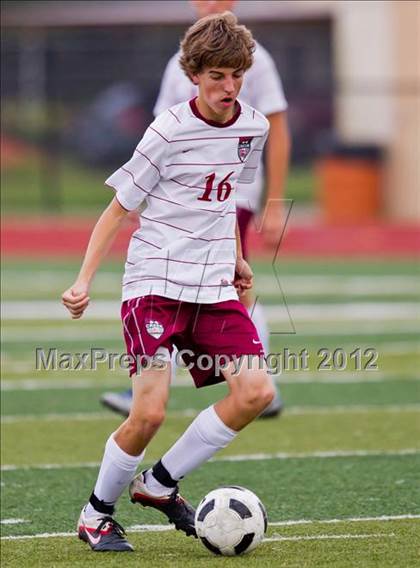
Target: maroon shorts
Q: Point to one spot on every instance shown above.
(220, 329)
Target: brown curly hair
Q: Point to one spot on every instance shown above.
(216, 41)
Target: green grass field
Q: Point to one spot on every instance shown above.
(339, 471)
(66, 186)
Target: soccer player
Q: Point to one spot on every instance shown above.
(263, 90)
(183, 273)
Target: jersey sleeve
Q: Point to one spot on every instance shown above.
(136, 179)
(249, 171)
(269, 97)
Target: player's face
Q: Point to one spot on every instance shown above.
(218, 89)
(207, 7)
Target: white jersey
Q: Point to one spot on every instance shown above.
(186, 170)
(262, 89)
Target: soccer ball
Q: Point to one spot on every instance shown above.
(231, 521)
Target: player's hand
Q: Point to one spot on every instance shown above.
(76, 300)
(272, 223)
(243, 276)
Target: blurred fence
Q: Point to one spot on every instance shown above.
(56, 78)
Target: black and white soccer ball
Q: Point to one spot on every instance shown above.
(231, 521)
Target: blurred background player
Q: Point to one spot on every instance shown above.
(262, 89)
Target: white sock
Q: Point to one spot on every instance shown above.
(174, 366)
(257, 315)
(201, 440)
(117, 470)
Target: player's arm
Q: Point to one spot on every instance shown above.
(133, 182)
(277, 163)
(243, 273)
(76, 298)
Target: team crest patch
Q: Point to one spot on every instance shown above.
(244, 147)
(154, 328)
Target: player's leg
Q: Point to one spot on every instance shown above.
(120, 402)
(144, 489)
(223, 327)
(250, 391)
(124, 450)
(256, 311)
(150, 396)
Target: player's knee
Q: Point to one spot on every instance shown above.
(150, 417)
(154, 417)
(263, 397)
(256, 394)
(267, 396)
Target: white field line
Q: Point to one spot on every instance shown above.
(54, 417)
(61, 384)
(335, 378)
(48, 466)
(53, 334)
(30, 384)
(328, 285)
(58, 384)
(382, 518)
(321, 455)
(240, 458)
(283, 327)
(36, 536)
(70, 334)
(83, 416)
(161, 528)
(327, 537)
(288, 377)
(399, 347)
(109, 309)
(189, 412)
(157, 528)
(296, 285)
(13, 521)
(304, 329)
(356, 408)
(341, 327)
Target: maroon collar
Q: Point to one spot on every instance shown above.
(198, 114)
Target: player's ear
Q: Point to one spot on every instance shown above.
(195, 79)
